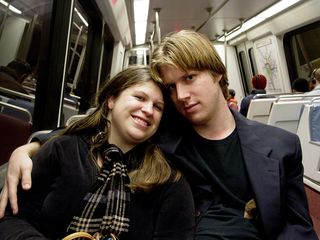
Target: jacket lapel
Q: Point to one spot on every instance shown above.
(263, 171)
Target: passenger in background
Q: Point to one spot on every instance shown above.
(105, 175)
(312, 84)
(12, 76)
(300, 85)
(315, 76)
(259, 83)
(232, 101)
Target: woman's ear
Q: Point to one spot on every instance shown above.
(111, 102)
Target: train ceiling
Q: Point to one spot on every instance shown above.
(210, 17)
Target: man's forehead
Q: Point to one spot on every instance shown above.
(170, 73)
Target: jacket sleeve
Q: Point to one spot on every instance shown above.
(176, 219)
(23, 225)
(14, 228)
(298, 221)
(44, 137)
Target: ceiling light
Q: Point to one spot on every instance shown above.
(250, 23)
(140, 8)
(12, 8)
(81, 17)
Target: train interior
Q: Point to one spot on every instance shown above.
(73, 47)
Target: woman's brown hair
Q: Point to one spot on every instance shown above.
(153, 169)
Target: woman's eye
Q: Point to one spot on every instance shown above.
(158, 107)
(139, 97)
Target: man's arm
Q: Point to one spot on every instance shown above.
(299, 223)
(20, 166)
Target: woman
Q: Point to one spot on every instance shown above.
(103, 175)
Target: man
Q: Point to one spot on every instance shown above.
(300, 85)
(14, 74)
(246, 177)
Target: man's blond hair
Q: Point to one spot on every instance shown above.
(188, 50)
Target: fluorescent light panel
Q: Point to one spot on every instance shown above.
(12, 8)
(81, 17)
(271, 11)
(140, 8)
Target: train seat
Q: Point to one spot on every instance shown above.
(310, 143)
(286, 114)
(23, 103)
(309, 134)
(14, 133)
(74, 118)
(16, 111)
(315, 123)
(259, 109)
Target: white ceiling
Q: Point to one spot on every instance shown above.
(195, 14)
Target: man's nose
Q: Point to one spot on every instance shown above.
(182, 92)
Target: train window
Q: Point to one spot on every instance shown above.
(76, 56)
(252, 61)
(245, 72)
(77, 49)
(61, 49)
(24, 28)
(25, 36)
(138, 55)
(302, 50)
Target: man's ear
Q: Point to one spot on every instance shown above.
(218, 78)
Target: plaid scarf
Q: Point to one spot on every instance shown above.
(105, 205)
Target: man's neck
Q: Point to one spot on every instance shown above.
(219, 127)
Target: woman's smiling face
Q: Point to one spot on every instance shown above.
(135, 114)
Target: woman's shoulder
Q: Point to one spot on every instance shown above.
(66, 143)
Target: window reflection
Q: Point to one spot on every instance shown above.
(77, 50)
(24, 31)
(76, 56)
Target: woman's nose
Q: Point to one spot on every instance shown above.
(148, 108)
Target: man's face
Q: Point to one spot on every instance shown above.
(195, 94)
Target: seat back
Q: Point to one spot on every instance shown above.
(16, 111)
(75, 118)
(259, 109)
(310, 143)
(286, 114)
(14, 133)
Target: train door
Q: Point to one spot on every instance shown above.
(246, 64)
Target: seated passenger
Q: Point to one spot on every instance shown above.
(259, 83)
(315, 76)
(232, 101)
(104, 174)
(300, 85)
(12, 76)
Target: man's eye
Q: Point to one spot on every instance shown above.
(189, 77)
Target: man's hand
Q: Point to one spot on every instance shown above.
(19, 167)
